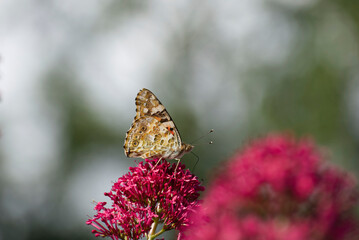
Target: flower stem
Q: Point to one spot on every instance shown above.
(153, 229)
(157, 234)
(152, 234)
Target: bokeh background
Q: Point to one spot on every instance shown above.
(70, 71)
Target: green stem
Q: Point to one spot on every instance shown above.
(152, 234)
(153, 229)
(157, 234)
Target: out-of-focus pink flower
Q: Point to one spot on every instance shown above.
(277, 188)
(146, 198)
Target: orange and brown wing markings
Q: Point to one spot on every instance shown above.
(158, 118)
(170, 130)
(148, 138)
(137, 138)
(147, 104)
(153, 133)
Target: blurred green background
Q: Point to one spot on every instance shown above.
(70, 71)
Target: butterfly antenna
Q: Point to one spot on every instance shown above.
(196, 161)
(210, 131)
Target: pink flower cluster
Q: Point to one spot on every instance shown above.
(146, 198)
(275, 189)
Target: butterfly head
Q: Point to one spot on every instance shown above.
(187, 147)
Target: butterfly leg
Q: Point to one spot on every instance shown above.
(179, 160)
(159, 160)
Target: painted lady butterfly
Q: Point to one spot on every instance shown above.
(153, 134)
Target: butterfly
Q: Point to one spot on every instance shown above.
(153, 133)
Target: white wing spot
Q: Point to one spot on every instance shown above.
(141, 98)
(159, 108)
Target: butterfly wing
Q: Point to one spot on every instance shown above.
(147, 104)
(149, 138)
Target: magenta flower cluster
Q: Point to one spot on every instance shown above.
(278, 188)
(146, 199)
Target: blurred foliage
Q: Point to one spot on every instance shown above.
(82, 126)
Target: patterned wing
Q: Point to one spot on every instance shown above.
(147, 104)
(149, 138)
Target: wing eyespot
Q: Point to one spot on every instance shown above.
(170, 129)
(135, 143)
(157, 137)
